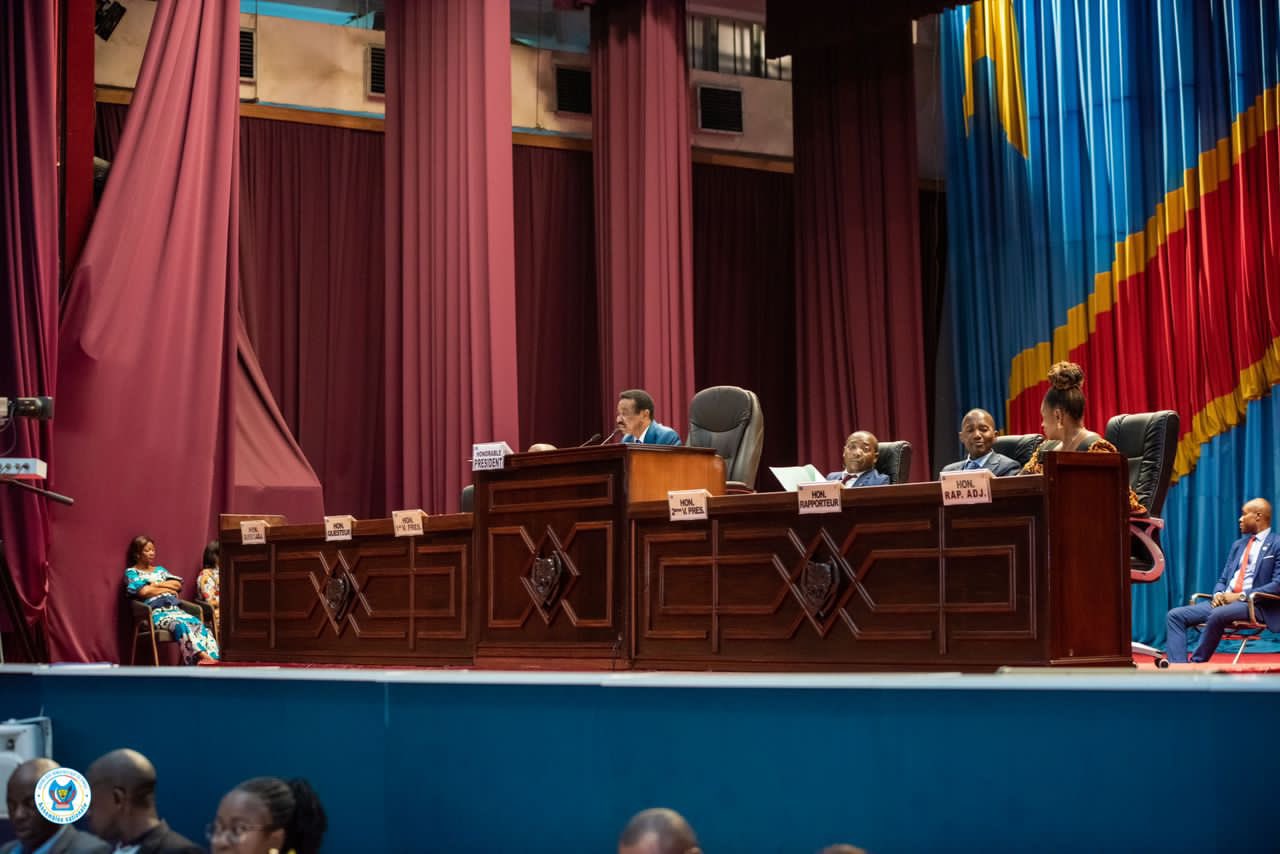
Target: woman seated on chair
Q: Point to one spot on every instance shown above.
(1064, 430)
(207, 582)
(158, 589)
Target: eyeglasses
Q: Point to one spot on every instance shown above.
(234, 834)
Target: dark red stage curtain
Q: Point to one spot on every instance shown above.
(556, 296)
(311, 265)
(146, 352)
(744, 296)
(860, 356)
(108, 125)
(28, 274)
(639, 79)
(451, 364)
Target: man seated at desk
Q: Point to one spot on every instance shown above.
(860, 452)
(977, 433)
(636, 423)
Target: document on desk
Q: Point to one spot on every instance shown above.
(792, 476)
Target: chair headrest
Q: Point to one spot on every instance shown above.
(1149, 441)
(1018, 447)
(894, 459)
(721, 408)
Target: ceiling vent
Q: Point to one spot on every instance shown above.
(573, 90)
(719, 109)
(248, 56)
(375, 71)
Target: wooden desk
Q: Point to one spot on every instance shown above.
(894, 581)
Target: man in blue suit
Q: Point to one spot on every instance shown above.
(860, 452)
(977, 432)
(1250, 568)
(635, 420)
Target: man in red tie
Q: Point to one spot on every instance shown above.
(1250, 568)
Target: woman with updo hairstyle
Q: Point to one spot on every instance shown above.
(1064, 430)
(268, 815)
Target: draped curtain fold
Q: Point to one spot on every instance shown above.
(1113, 178)
(28, 275)
(146, 355)
(451, 367)
(860, 359)
(640, 132)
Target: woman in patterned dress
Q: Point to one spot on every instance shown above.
(159, 589)
(207, 582)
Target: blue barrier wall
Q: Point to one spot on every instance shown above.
(892, 763)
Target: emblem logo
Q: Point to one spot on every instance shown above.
(62, 796)
(337, 593)
(818, 585)
(545, 577)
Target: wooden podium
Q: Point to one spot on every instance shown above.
(551, 548)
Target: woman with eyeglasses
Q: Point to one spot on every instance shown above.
(268, 815)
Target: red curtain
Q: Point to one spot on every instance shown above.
(146, 355)
(556, 296)
(860, 357)
(311, 265)
(643, 202)
(451, 362)
(28, 273)
(744, 296)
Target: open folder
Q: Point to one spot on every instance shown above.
(792, 476)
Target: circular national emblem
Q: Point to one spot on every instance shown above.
(62, 796)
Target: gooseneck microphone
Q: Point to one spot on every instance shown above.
(615, 432)
(595, 437)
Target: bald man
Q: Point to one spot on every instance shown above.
(35, 832)
(977, 433)
(123, 810)
(658, 831)
(1250, 568)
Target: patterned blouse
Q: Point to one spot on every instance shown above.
(1093, 445)
(136, 579)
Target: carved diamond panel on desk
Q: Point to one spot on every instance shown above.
(550, 573)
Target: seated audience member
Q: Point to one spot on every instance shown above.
(1064, 430)
(208, 582)
(658, 831)
(860, 452)
(539, 447)
(35, 832)
(842, 848)
(1250, 568)
(268, 814)
(123, 809)
(636, 422)
(977, 432)
(159, 589)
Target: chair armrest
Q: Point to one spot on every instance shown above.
(1149, 523)
(139, 610)
(1195, 596)
(195, 609)
(1253, 618)
(737, 487)
(1140, 528)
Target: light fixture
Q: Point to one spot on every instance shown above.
(108, 17)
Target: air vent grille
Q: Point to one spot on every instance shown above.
(719, 109)
(248, 46)
(573, 90)
(377, 77)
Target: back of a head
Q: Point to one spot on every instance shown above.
(1066, 381)
(130, 771)
(842, 848)
(294, 807)
(658, 831)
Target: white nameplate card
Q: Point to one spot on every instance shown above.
(338, 528)
(821, 497)
(253, 532)
(409, 523)
(23, 468)
(489, 456)
(966, 487)
(687, 505)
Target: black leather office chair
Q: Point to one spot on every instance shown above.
(467, 503)
(1019, 447)
(729, 419)
(1149, 441)
(894, 460)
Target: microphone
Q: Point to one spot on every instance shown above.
(595, 437)
(615, 432)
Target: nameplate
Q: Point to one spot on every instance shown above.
(338, 528)
(687, 505)
(253, 532)
(819, 497)
(966, 487)
(489, 456)
(408, 523)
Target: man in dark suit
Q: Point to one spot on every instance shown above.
(123, 810)
(34, 831)
(977, 433)
(1250, 568)
(860, 452)
(636, 423)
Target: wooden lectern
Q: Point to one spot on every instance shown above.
(551, 548)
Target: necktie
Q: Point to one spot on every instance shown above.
(972, 464)
(1238, 587)
(850, 478)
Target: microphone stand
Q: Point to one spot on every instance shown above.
(47, 493)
